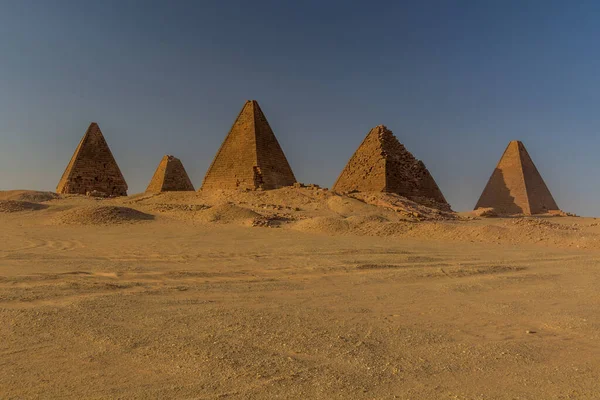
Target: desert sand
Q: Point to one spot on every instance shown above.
(295, 293)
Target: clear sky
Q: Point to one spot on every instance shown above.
(454, 80)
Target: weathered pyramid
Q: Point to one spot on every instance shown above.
(382, 164)
(516, 186)
(250, 157)
(170, 176)
(93, 168)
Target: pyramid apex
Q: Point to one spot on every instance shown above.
(379, 129)
(94, 129)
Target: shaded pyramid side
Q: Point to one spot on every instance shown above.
(408, 176)
(250, 156)
(381, 163)
(274, 170)
(93, 168)
(538, 194)
(516, 186)
(170, 176)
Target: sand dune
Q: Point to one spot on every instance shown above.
(11, 206)
(100, 215)
(295, 293)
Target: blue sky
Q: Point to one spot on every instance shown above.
(454, 80)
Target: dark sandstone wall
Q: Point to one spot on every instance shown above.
(93, 168)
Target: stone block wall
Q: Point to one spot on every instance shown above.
(250, 157)
(407, 176)
(383, 164)
(273, 169)
(366, 170)
(93, 168)
(516, 186)
(170, 176)
(538, 194)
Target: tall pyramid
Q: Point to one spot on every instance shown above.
(516, 186)
(250, 157)
(382, 164)
(170, 176)
(93, 168)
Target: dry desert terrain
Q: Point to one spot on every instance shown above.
(295, 293)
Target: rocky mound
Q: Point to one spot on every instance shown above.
(404, 207)
(11, 206)
(101, 215)
(28, 195)
(227, 213)
(347, 206)
(485, 212)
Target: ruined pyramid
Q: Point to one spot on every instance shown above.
(93, 168)
(382, 164)
(250, 157)
(170, 176)
(516, 186)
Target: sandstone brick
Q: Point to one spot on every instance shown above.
(382, 164)
(250, 157)
(516, 186)
(170, 176)
(93, 168)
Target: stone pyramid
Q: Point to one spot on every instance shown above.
(516, 186)
(93, 168)
(382, 164)
(170, 176)
(250, 157)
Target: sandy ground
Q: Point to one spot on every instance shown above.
(292, 294)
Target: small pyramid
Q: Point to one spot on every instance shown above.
(382, 164)
(93, 168)
(250, 157)
(170, 176)
(516, 186)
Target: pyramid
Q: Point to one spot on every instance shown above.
(250, 157)
(93, 168)
(170, 176)
(382, 164)
(516, 186)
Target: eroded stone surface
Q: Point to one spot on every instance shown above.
(516, 186)
(382, 164)
(93, 168)
(250, 157)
